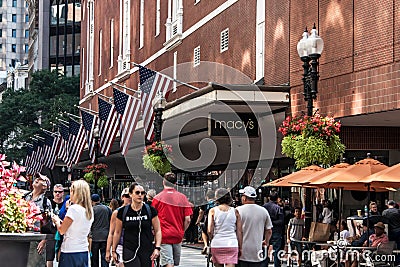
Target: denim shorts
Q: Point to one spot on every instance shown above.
(170, 254)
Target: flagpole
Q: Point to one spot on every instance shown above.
(63, 121)
(39, 137)
(123, 86)
(71, 115)
(44, 130)
(86, 109)
(172, 79)
(110, 99)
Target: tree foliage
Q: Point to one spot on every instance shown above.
(24, 111)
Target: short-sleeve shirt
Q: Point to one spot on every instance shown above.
(39, 203)
(375, 240)
(172, 208)
(131, 228)
(76, 237)
(296, 229)
(255, 220)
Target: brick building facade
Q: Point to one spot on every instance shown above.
(359, 67)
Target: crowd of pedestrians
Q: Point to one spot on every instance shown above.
(150, 227)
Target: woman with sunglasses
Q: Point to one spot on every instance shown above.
(76, 227)
(138, 221)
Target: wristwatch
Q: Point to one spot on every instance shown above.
(158, 248)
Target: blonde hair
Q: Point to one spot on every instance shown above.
(82, 197)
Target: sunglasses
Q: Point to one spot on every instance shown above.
(140, 193)
(58, 192)
(126, 195)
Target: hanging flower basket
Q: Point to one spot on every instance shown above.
(311, 140)
(156, 158)
(16, 214)
(97, 172)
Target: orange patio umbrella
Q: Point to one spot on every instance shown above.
(294, 178)
(349, 178)
(316, 176)
(389, 177)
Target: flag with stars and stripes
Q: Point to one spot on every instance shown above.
(128, 108)
(76, 141)
(89, 121)
(51, 143)
(63, 152)
(37, 154)
(151, 83)
(28, 159)
(108, 126)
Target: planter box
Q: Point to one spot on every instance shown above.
(19, 250)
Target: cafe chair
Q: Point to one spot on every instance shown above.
(382, 257)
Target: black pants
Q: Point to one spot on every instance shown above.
(96, 247)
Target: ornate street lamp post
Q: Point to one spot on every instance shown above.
(309, 49)
(159, 106)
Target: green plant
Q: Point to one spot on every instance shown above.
(97, 172)
(17, 214)
(156, 158)
(311, 140)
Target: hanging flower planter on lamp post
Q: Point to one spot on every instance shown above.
(311, 140)
(156, 158)
(96, 174)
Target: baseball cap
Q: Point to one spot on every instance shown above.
(125, 191)
(391, 203)
(95, 198)
(379, 225)
(248, 191)
(43, 178)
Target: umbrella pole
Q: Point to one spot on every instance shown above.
(340, 222)
(368, 199)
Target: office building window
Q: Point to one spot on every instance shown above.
(1, 33)
(14, 3)
(14, 17)
(26, 18)
(14, 48)
(14, 33)
(1, 48)
(1, 2)
(1, 17)
(26, 48)
(26, 33)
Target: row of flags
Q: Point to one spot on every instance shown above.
(68, 143)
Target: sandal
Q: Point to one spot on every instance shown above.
(204, 251)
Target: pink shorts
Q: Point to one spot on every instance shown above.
(225, 255)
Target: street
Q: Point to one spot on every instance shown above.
(190, 258)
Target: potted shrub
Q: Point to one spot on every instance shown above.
(17, 217)
(311, 140)
(156, 157)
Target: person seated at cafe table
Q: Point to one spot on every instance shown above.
(376, 239)
(358, 241)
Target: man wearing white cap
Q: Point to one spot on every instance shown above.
(256, 224)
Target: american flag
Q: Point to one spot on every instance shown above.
(28, 159)
(37, 162)
(51, 150)
(151, 83)
(128, 108)
(63, 152)
(89, 121)
(76, 141)
(108, 126)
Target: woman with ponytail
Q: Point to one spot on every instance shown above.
(76, 227)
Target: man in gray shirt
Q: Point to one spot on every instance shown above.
(99, 231)
(256, 224)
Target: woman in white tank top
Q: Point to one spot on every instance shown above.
(225, 231)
